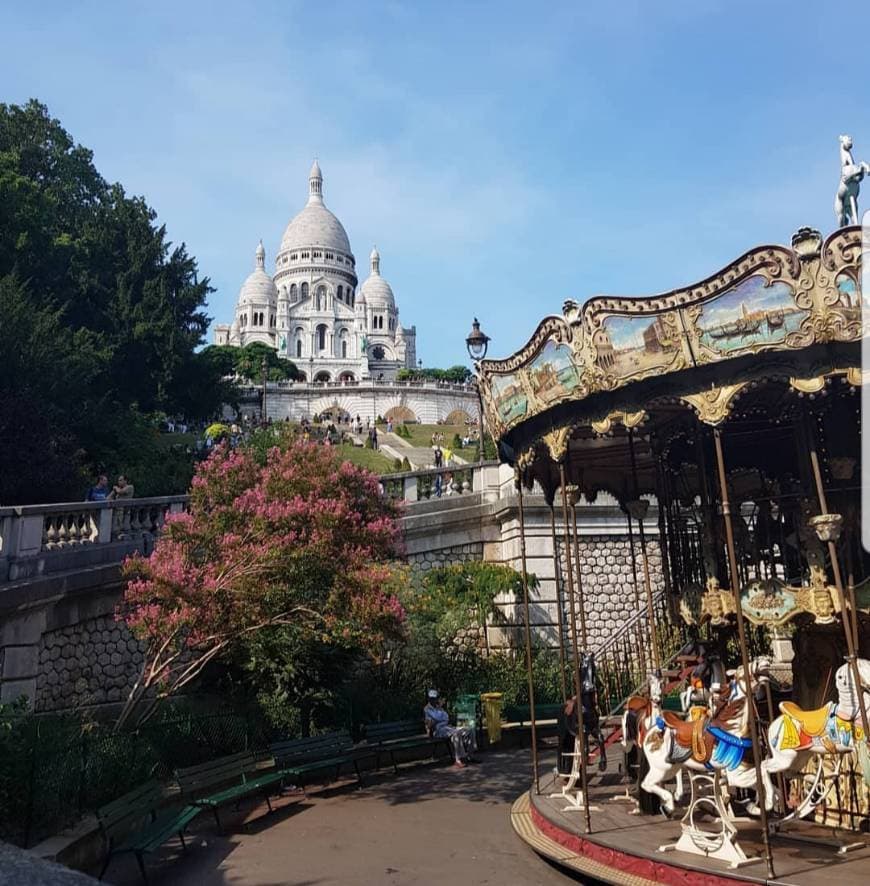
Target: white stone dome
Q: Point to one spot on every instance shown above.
(376, 291)
(315, 225)
(259, 288)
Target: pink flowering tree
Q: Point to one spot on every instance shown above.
(303, 544)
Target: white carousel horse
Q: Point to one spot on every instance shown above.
(641, 714)
(834, 728)
(851, 174)
(709, 741)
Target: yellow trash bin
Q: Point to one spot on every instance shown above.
(492, 711)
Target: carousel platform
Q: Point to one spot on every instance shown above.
(623, 847)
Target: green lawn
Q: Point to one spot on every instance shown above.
(421, 435)
(367, 458)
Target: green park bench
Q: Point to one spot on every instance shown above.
(401, 735)
(136, 824)
(299, 757)
(522, 714)
(237, 776)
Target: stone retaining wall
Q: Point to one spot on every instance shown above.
(92, 662)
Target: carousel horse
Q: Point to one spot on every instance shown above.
(710, 739)
(835, 728)
(641, 714)
(591, 718)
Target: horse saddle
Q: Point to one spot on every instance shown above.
(813, 723)
(692, 734)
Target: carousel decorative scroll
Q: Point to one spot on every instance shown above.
(714, 406)
(626, 419)
(557, 442)
(771, 602)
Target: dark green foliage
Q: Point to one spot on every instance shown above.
(56, 768)
(101, 318)
(457, 374)
(247, 362)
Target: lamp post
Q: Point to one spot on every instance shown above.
(477, 343)
(264, 366)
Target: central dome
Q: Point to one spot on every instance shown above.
(315, 225)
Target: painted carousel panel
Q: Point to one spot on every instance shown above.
(510, 398)
(633, 346)
(753, 315)
(552, 373)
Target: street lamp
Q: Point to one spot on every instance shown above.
(264, 366)
(477, 343)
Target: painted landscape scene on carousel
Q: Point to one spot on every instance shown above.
(753, 313)
(552, 372)
(510, 398)
(632, 345)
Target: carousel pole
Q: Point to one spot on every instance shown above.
(578, 684)
(639, 632)
(556, 571)
(828, 531)
(527, 630)
(640, 513)
(581, 600)
(744, 653)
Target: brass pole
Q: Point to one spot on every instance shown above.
(647, 582)
(527, 631)
(852, 653)
(638, 625)
(744, 653)
(560, 616)
(581, 600)
(578, 683)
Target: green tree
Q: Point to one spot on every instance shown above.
(92, 263)
(249, 364)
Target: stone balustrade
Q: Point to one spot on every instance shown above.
(434, 483)
(36, 540)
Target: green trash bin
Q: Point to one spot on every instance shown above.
(466, 711)
(492, 702)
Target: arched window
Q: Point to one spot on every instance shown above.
(294, 293)
(344, 349)
(321, 337)
(321, 298)
(304, 291)
(340, 294)
(298, 347)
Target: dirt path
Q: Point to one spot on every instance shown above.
(430, 826)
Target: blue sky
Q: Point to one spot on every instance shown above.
(503, 156)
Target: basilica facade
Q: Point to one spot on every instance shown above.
(312, 310)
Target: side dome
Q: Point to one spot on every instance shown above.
(315, 225)
(376, 291)
(259, 288)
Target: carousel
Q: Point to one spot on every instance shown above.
(734, 700)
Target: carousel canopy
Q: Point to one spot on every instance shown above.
(616, 370)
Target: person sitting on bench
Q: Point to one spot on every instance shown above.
(462, 739)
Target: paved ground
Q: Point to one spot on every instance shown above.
(428, 826)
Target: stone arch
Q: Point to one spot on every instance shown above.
(322, 376)
(347, 375)
(400, 415)
(458, 417)
(342, 405)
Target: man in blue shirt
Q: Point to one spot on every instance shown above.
(100, 492)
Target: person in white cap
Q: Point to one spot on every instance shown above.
(462, 739)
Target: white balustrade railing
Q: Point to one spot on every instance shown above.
(40, 539)
(36, 539)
